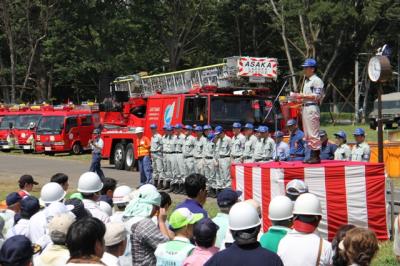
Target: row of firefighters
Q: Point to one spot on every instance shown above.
(210, 152)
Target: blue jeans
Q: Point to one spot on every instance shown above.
(145, 169)
(95, 166)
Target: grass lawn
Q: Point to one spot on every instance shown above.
(371, 135)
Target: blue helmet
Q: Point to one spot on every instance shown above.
(262, 129)
(309, 62)
(207, 127)
(291, 122)
(341, 134)
(359, 132)
(178, 126)
(198, 128)
(153, 126)
(211, 136)
(168, 128)
(218, 130)
(278, 134)
(237, 125)
(188, 127)
(249, 126)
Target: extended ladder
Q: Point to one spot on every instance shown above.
(221, 75)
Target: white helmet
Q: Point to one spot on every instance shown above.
(307, 204)
(296, 187)
(280, 209)
(139, 130)
(89, 182)
(243, 216)
(105, 207)
(52, 192)
(121, 194)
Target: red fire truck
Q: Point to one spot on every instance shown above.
(7, 124)
(66, 129)
(238, 90)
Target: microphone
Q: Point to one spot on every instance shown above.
(289, 76)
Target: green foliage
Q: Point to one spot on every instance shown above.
(86, 44)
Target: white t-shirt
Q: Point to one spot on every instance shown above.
(21, 228)
(95, 210)
(110, 260)
(302, 249)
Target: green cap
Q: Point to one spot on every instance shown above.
(76, 195)
(182, 217)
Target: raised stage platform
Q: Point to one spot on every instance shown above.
(350, 192)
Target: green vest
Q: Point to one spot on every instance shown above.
(270, 240)
(173, 253)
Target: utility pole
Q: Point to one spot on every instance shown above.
(356, 92)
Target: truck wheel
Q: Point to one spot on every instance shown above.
(373, 124)
(76, 148)
(129, 157)
(26, 151)
(119, 156)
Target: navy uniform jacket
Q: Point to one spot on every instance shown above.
(248, 255)
(327, 151)
(296, 145)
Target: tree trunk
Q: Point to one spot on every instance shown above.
(3, 83)
(10, 38)
(239, 41)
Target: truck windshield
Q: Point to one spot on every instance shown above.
(50, 124)
(227, 110)
(23, 121)
(5, 122)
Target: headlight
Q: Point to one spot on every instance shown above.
(23, 135)
(52, 138)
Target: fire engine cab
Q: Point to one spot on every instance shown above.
(238, 90)
(66, 129)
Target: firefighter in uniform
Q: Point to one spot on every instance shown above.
(281, 152)
(311, 98)
(168, 154)
(343, 152)
(178, 160)
(327, 149)
(296, 142)
(198, 152)
(361, 151)
(265, 146)
(238, 141)
(188, 150)
(224, 145)
(210, 164)
(156, 155)
(97, 145)
(249, 143)
(207, 129)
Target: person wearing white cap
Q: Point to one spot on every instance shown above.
(280, 213)
(56, 253)
(51, 196)
(90, 185)
(120, 199)
(115, 241)
(245, 224)
(295, 188)
(303, 246)
(142, 146)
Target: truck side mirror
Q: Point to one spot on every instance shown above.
(62, 126)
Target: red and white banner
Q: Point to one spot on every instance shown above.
(258, 67)
(350, 192)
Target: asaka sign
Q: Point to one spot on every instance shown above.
(258, 67)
